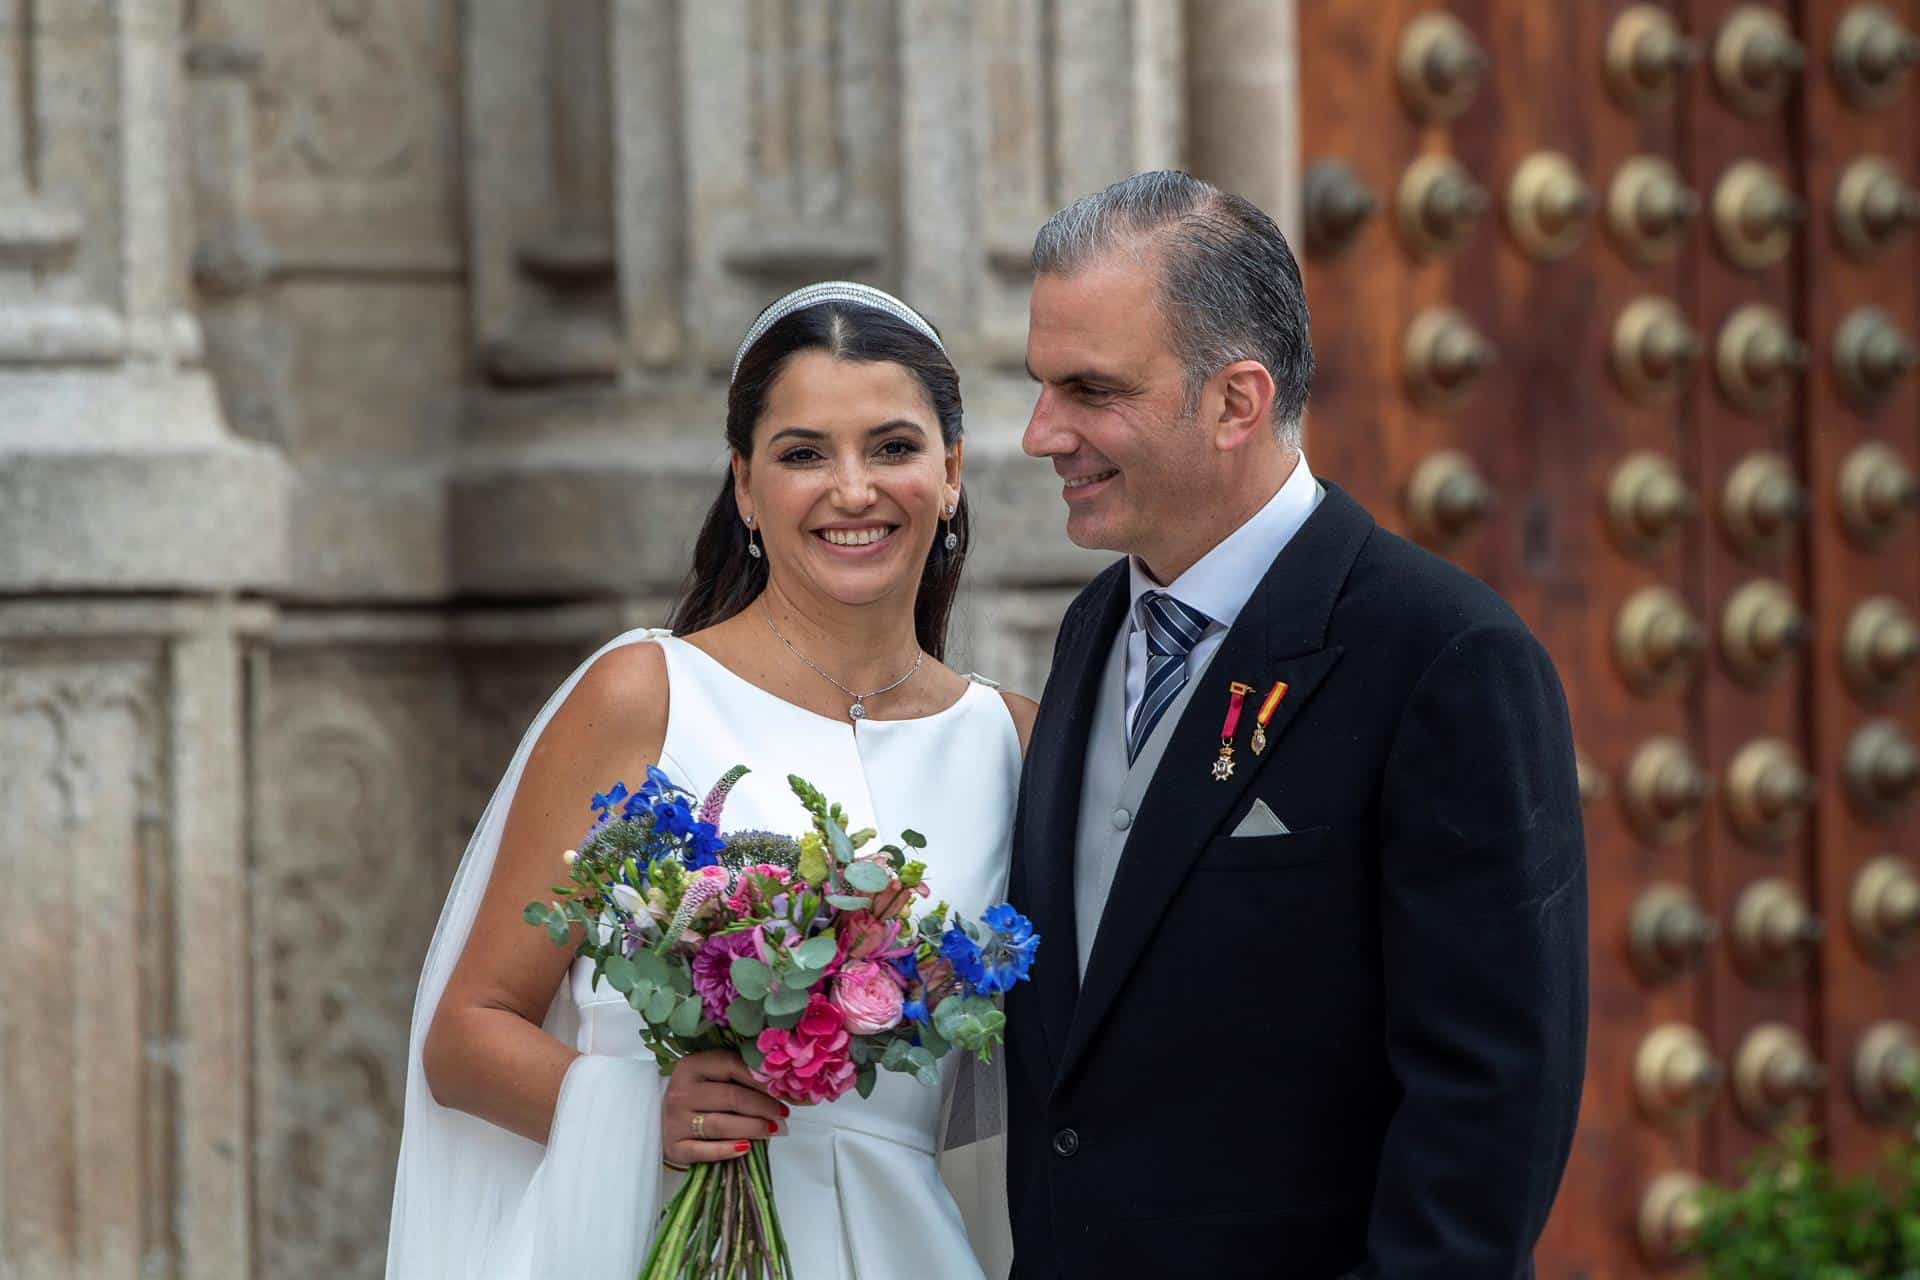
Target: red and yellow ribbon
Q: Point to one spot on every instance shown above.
(1267, 708)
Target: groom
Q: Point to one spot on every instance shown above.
(1299, 821)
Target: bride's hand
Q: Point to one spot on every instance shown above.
(732, 1108)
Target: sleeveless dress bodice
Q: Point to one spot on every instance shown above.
(857, 1180)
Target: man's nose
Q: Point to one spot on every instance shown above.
(1043, 437)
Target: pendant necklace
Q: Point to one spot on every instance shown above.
(858, 711)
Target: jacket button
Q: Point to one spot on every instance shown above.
(1122, 819)
(1066, 1142)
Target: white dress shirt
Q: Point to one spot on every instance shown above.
(1221, 581)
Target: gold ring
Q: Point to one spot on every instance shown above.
(699, 1125)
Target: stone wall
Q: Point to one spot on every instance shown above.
(361, 370)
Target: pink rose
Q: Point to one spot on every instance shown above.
(809, 1063)
(869, 996)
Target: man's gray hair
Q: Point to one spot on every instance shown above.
(1229, 288)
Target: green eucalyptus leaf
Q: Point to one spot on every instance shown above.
(746, 1016)
(784, 1021)
(913, 839)
(838, 842)
(752, 1055)
(867, 877)
(751, 978)
(557, 928)
(817, 952)
(847, 902)
(895, 1057)
(680, 980)
(928, 1076)
(686, 1018)
(621, 973)
(642, 992)
(786, 999)
(660, 1007)
(935, 1043)
(536, 913)
(864, 1079)
(651, 966)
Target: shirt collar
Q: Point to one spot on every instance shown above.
(1221, 582)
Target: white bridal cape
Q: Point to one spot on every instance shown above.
(859, 1182)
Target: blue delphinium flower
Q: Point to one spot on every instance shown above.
(605, 802)
(907, 966)
(704, 846)
(964, 955)
(914, 1011)
(1008, 954)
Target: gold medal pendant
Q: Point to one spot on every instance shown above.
(1223, 766)
(1267, 708)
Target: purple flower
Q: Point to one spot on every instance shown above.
(713, 972)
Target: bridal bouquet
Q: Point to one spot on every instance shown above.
(806, 955)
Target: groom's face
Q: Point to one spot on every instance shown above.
(1108, 417)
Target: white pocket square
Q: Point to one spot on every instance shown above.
(1261, 821)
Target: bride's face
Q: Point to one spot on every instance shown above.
(848, 479)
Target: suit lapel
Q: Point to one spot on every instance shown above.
(1280, 635)
(1051, 794)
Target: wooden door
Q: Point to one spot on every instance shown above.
(1609, 309)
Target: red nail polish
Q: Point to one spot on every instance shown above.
(784, 1111)
(772, 1128)
(741, 1146)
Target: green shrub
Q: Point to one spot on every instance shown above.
(1794, 1218)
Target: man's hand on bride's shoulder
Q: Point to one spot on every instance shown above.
(712, 1107)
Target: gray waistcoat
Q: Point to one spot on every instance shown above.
(1110, 792)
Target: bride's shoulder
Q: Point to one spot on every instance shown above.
(1023, 709)
(626, 684)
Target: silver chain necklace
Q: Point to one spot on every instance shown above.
(858, 711)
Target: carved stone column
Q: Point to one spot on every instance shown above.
(123, 1123)
(123, 1073)
(116, 469)
(1244, 102)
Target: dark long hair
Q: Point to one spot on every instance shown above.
(725, 579)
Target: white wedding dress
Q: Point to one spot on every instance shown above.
(858, 1182)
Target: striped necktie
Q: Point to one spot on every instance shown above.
(1172, 631)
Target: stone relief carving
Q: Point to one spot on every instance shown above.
(355, 112)
(350, 863)
(348, 99)
(80, 789)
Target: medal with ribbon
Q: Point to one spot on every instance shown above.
(1223, 767)
(1267, 708)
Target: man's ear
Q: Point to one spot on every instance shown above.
(1246, 404)
(740, 500)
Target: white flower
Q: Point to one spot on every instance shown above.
(570, 857)
(628, 899)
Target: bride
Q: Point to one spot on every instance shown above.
(540, 1136)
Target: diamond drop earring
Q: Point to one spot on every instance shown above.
(953, 539)
(753, 547)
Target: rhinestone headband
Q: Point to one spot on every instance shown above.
(834, 291)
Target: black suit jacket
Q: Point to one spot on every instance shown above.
(1352, 1050)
